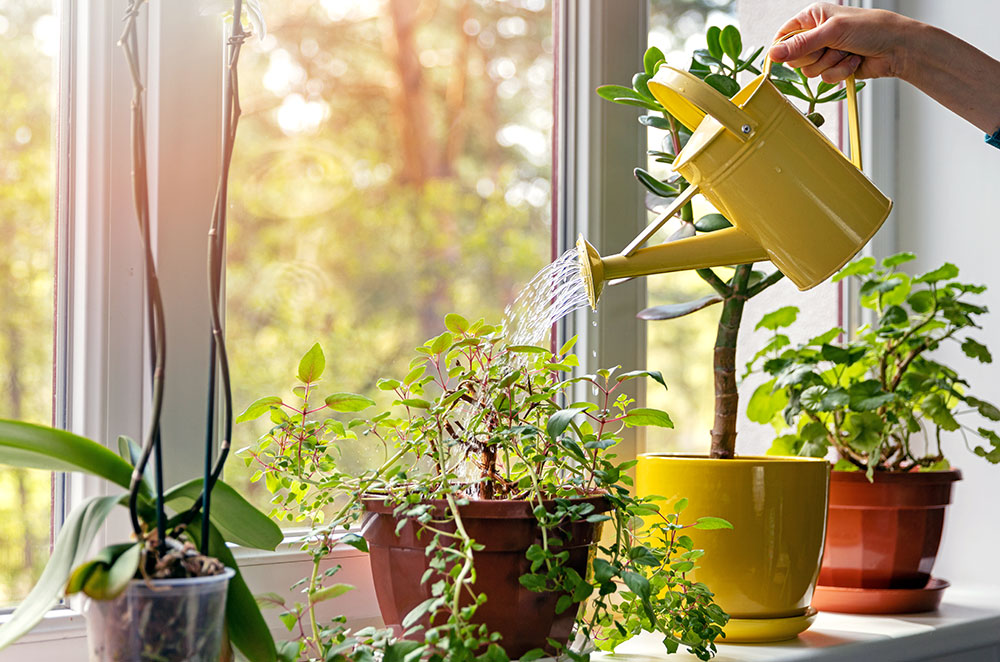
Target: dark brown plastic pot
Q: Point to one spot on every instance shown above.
(506, 529)
(884, 534)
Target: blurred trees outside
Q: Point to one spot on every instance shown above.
(27, 229)
(393, 165)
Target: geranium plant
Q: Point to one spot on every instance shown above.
(881, 400)
(477, 420)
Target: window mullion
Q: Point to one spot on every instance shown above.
(600, 145)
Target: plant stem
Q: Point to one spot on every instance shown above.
(726, 395)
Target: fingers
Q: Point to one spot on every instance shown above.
(807, 47)
(842, 69)
(831, 57)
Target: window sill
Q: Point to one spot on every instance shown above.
(965, 629)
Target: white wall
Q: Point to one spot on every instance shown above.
(948, 206)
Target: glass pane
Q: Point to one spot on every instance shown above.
(393, 165)
(682, 348)
(28, 44)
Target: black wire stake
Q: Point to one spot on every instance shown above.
(154, 303)
(218, 358)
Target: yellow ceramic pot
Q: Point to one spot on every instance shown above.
(764, 570)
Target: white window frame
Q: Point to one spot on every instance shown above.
(101, 356)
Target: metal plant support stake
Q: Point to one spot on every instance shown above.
(129, 43)
(218, 361)
(218, 358)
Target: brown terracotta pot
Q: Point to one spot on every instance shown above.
(506, 529)
(884, 534)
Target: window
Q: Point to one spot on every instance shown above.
(681, 348)
(29, 42)
(393, 165)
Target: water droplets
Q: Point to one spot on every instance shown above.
(555, 291)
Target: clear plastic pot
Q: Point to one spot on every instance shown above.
(163, 620)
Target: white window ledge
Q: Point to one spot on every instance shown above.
(965, 629)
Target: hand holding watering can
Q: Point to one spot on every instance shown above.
(792, 196)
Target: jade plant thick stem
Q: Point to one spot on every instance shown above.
(718, 65)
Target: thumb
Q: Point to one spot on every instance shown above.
(802, 44)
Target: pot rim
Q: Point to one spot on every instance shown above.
(948, 476)
(184, 582)
(490, 508)
(739, 459)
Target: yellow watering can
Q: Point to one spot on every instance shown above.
(791, 195)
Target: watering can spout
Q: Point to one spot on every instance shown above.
(724, 247)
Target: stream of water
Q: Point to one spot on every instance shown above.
(554, 292)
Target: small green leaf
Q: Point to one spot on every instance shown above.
(259, 408)
(868, 395)
(654, 185)
(946, 271)
(644, 416)
(984, 408)
(441, 343)
(897, 259)
(766, 402)
(615, 92)
(976, 350)
(712, 37)
(354, 540)
(348, 402)
(712, 222)
(724, 84)
(456, 323)
(312, 365)
(330, 592)
(778, 319)
(655, 121)
(681, 504)
(711, 523)
(637, 584)
(861, 267)
(651, 58)
(731, 42)
(559, 421)
(675, 310)
(864, 430)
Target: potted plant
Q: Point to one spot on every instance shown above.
(764, 573)
(173, 592)
(881, 402)
(484, 514)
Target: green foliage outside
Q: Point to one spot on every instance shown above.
(419, 185)
(27, 229)
(880, 400)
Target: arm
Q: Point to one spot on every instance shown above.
(873, 43)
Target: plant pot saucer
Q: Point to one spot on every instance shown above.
(880, 600)
(765, 630)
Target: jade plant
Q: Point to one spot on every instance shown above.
(719, 65)
(880, 400)
(476, 419)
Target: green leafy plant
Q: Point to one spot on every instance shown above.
(880, 400)
(477, 419)
(718, 65)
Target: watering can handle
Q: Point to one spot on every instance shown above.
(854, 125)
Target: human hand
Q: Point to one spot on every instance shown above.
(840, 41)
